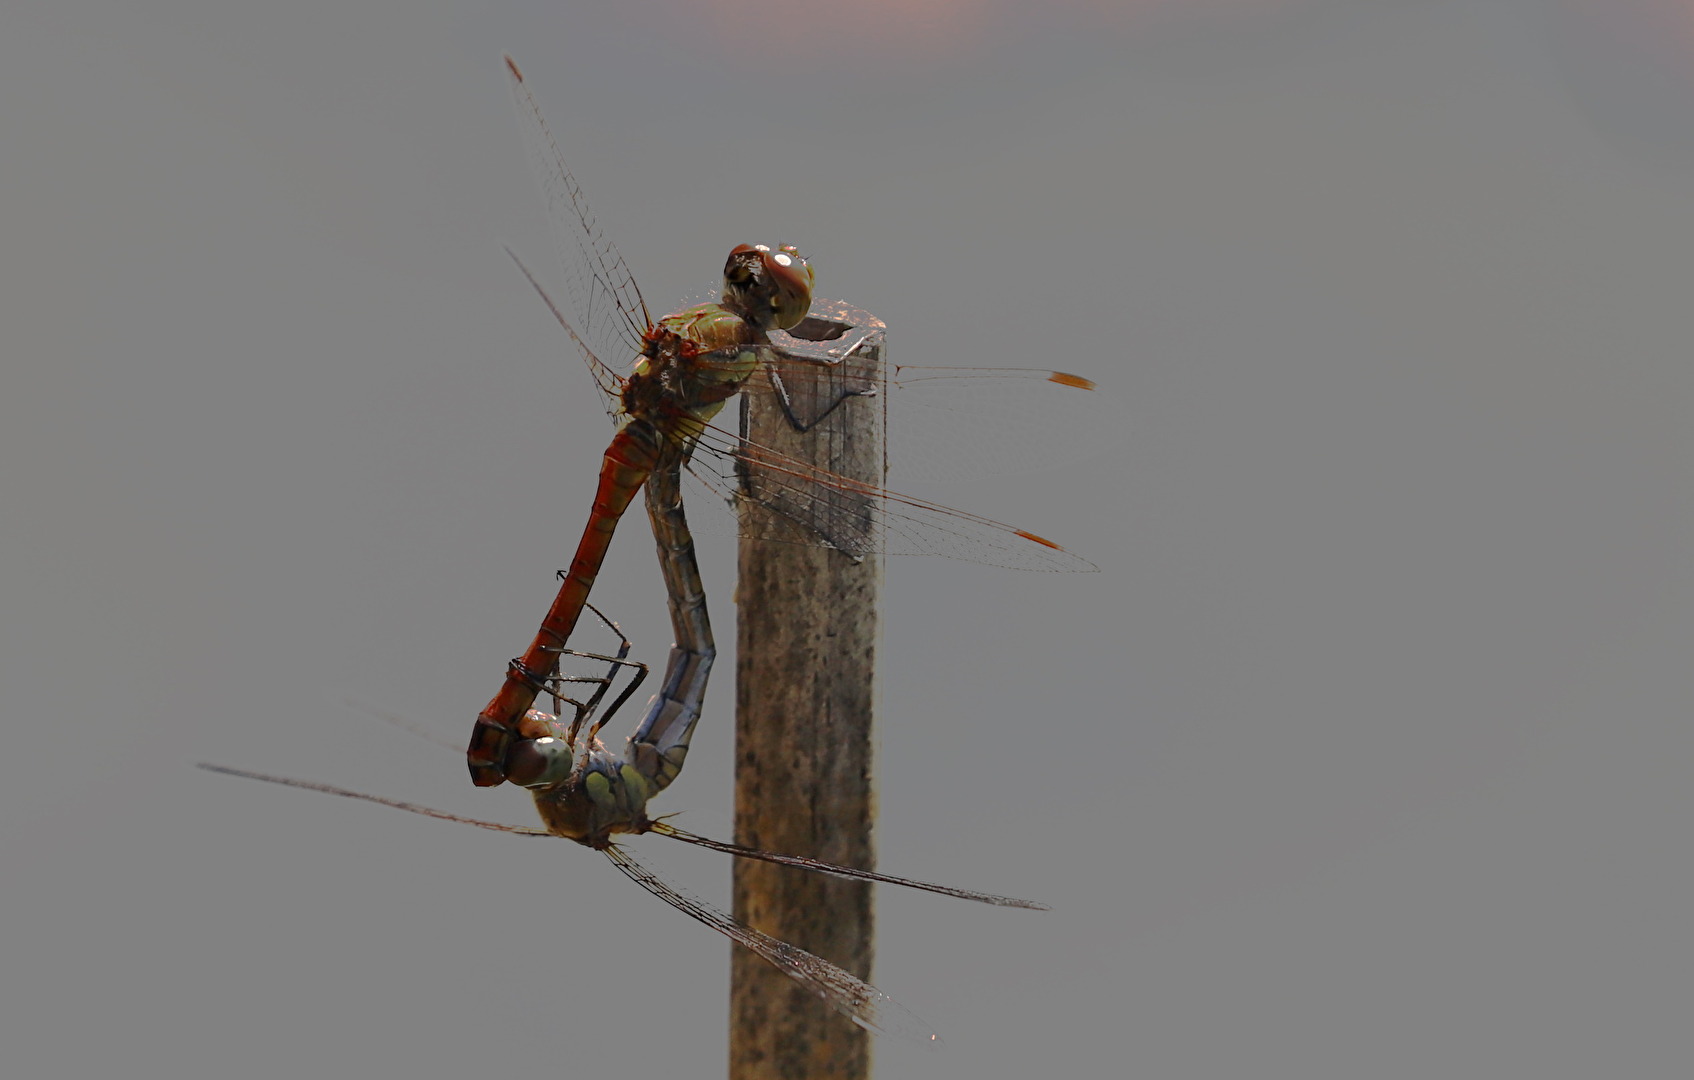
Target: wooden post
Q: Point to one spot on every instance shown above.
(807, 693)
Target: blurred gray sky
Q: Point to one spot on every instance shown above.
(1364, 755)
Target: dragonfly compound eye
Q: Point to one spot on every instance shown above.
(539, 754)
(792, 277)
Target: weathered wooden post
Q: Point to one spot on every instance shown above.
(807, 694)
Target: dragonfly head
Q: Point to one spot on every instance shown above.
(768, 287)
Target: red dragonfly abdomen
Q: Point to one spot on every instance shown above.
(628, 461)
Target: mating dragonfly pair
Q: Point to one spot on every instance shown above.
(687, 366)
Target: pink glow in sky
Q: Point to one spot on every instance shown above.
(942, 29)
(1629, 64)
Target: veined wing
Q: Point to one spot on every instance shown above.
(838, 512)
(960, 423)
(602, 305)
(842, 991)
(606, 380)
(853, 517)
(858, 518)
(847, 994)
(1031, 415)
(346, 793)
(945, 423)
(850, 873)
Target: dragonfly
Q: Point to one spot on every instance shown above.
(587, 793)
(687, 365)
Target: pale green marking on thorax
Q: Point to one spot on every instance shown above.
(685, 394)
(639, 788)
(716, 331)
(619, 800)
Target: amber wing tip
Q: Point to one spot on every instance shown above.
(1065, 560)
(1042, 540)
(1063, 378)
(512, 66)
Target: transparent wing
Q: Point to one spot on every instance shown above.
(601, 301)
(851, 873)
(961, 423)
(606, 380)
(847, 994)
(346, 793)
(820, 507)
(943, 422)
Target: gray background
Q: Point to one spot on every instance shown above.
(1365, 754)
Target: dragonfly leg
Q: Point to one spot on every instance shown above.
(530, 679)
(551, 682)
(624, 643)
(853, 370)
(791, 413)
(604, 682)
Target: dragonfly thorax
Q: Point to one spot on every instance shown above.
(606, 796)
(690, 364)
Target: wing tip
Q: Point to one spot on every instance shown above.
(1067, 560)
(1064, 378)
(512, 66)
(893, 1021)
(1042, 540)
